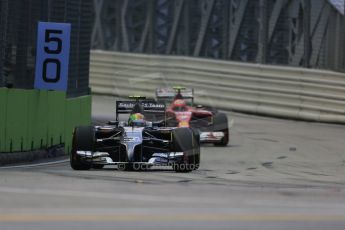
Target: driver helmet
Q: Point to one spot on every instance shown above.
(179, 103)
(136, 119)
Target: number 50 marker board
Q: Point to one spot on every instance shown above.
(52, 57)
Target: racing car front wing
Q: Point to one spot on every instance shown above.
(157, 159)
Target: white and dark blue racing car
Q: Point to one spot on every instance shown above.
(137, 143)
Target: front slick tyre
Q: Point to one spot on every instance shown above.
(83, 139)
(186, 141)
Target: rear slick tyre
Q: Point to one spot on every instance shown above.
(220, 124)
(225, 140)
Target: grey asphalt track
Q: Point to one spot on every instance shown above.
(275, 174)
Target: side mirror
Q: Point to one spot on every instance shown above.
(199, 106)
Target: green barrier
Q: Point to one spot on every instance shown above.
(16, 120)
(3, 104)
(37, 119)
(56, 120)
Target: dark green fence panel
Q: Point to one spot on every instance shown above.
(56, 117)
(16, 120)
(36, 119)
(3, 104)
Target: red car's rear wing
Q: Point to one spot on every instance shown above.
(170, 93)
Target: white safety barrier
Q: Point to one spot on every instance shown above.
(288, 92)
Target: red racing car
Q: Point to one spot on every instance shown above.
(181, 112)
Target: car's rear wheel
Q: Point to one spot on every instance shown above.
(83, 140)
(225, 139)
(186, 141)
(220, 124)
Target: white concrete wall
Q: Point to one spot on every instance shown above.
(271, 90)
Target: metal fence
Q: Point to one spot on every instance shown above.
(18, 29)
(308, 33)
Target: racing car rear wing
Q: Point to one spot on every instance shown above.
(170, 93)
(148, 106)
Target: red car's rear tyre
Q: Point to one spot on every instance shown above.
(220, 124)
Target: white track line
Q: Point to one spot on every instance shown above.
(35, 165)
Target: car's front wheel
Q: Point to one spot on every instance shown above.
(186, 141)
(83, 140)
